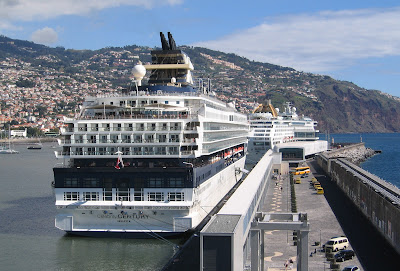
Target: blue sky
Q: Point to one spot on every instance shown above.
(356, 40)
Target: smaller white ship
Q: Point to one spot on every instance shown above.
(270, 127)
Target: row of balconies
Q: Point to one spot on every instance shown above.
(119, 141)
(122, 129)
(143, 151)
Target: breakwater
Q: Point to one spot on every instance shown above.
(377, 200)
(355, 153)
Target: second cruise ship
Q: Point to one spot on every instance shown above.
(269, 128)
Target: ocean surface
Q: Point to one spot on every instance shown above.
(29, 240)
(385, 165)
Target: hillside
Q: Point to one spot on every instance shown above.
(53, 80)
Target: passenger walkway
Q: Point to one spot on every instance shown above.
(279, 245)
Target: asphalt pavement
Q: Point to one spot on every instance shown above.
(280, 245)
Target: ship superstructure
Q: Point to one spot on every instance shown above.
(154, 159)
(269, 127)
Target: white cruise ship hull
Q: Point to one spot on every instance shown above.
(147, 219)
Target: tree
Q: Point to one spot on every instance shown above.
(25, 83)
(42, 110)
(33, 132)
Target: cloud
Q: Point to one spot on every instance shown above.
(29, 10)
(45, 35)
(323, 41)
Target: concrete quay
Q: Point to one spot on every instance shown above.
(279, 245)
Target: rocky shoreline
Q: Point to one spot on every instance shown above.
(355, 154)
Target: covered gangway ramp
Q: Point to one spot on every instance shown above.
(233, 238)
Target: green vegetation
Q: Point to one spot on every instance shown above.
(338, 106)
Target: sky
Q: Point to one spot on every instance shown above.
(352, 40)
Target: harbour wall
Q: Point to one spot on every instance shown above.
(355, 153)
(378, 200)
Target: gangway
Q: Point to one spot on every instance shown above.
(233, 238)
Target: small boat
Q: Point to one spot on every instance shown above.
(36, 146)
(8, 151)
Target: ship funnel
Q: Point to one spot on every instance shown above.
(167, 45)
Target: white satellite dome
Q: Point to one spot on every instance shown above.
(139, 71)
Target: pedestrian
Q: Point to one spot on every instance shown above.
(281, 188)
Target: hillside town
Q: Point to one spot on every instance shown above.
(39, 86)
(40, 96)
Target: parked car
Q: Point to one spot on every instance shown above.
(351, 268)
(313, 179)
(344, 255)
(320, 190)
(333, 237)
(337, 243)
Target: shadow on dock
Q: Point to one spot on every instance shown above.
(372, 249)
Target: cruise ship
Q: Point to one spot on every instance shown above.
(269, 127)
(151, 161)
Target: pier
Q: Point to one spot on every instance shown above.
(270, 221)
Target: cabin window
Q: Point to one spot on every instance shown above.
(90, 196)
(71, 182)
(72, 196)
(175, 182)
(103, 139)
(123, 194)
(91, 182)
(155, 196)
(107, 189)
(156, 182)
(138, 195)
(176, 196)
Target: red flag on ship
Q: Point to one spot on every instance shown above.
(120, 163)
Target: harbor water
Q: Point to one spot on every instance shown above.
(29, 240)
(385, 165)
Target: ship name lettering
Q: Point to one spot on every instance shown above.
(133, 216)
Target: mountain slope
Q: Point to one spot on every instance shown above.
(338, 106)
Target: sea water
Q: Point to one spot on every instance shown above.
(29, 240)
(385, 165)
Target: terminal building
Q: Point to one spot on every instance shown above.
(298, 151)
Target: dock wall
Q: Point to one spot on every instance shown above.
(378, 200)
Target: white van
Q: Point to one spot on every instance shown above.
(337, 243)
